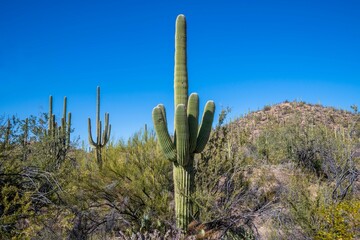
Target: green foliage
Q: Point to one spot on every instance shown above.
(31, 180)
(132, 190)
(15, 208)
(262, 176)
(303, 206)
(318, 216)
(339, 220)
(221, 184)
(328, 170)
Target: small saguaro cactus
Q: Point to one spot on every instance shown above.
(102, 138)
(189, 137)
(59, 136)
(63, 131)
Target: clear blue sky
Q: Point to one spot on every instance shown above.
(242, 54)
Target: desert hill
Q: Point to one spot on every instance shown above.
(300, 165)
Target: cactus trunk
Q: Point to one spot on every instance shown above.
(184, 187)
(189, 136)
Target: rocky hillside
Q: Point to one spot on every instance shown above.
(301, 162)
(284, 112)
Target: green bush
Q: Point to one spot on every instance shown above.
(131, 191)
(339, 220)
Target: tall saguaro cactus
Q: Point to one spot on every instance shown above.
(189, 137)
(102, 138)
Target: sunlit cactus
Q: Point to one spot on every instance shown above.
(102, 137)
(58, 134)
(62, 132)
(189, 137)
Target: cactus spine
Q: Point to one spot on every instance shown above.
(189, 137)
(102, 138)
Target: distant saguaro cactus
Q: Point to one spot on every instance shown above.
(59, 136)
(189, 137)
(102, 138)
(63, 131)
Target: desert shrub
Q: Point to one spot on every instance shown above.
(221, 188)
(31, 185)
(339, 220)
(269, 144)
(132, 191)
(314, 215)
(302, 199)
(314, 146)
(327, 162)
(267, 108)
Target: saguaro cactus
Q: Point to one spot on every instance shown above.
(59, 134)
(102, 138)
(189, 137)
(62, 133)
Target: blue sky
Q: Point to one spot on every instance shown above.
(241, 54)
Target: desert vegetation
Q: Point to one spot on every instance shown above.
(289, 171)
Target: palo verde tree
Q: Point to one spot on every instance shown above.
(189, 137)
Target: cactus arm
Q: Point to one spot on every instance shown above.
(50, 123)
(98, 104)
(53, 126)
(182, 135)
(162, 132)
(180, 69)
(51, 120)
(63, 126)
(91, 141)
(106, 134)
(205, 127)
(64, 109)
(163, 111)
(98, 122)
(193, 119)
(68, 130)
